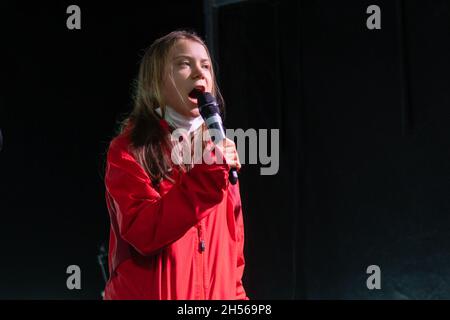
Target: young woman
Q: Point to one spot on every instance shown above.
(177, 230)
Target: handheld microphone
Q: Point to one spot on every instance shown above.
(210, 112)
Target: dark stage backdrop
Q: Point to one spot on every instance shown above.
(363, 116)
(364, 119)
(61, 95)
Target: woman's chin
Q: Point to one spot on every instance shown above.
(194, 112)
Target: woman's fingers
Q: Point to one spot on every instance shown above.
(228, 148)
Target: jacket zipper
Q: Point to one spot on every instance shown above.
(202, 248)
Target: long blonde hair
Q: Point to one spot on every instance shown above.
(151, 144)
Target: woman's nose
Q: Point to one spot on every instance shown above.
(197, 72)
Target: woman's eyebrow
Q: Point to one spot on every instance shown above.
(189, 57)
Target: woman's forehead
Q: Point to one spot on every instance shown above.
(189, 48)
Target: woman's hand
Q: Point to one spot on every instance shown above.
(227, 148)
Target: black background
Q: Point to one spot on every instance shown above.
(364, 129)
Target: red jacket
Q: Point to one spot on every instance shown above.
(182, 241)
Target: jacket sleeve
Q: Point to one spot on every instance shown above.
(240, 291)
(149, 221)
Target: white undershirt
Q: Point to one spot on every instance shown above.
(177, 120)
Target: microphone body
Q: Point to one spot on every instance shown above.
(210, 112)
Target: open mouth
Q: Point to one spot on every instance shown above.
(196, 91)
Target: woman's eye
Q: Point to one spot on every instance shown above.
(184, 63)
(206, 66)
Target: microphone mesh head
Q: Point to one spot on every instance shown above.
(207, 104)
(205, 98)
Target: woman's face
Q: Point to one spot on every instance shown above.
(187, 67)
